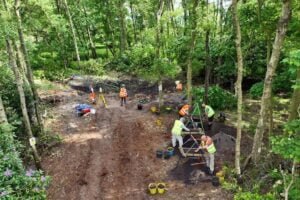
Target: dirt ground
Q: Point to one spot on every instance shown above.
(112, 155)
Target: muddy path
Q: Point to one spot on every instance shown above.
(111, 155)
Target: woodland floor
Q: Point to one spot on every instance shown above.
(111, 155)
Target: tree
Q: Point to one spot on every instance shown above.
(28, 65)
(271, 68)
(123, 37)
(158, 53)
(3, 118)
(193, 31)
(293, 61)
(19, 82)
(72, 29)
(238, 85)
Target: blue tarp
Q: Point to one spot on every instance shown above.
(81, 107)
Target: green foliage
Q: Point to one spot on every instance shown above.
(16, 182)
(256, 90)
(218, 98)
(253, 196)
(293, 61)
(283, 82)
(141, 56)
(278, 186)
(91, 66)
(288, 145)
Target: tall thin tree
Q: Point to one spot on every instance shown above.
(158, 46)
(271, 68)
(3, 118)
(19, 82)
(72, 29)
(193, 31)
(29, 74)
(238, 85)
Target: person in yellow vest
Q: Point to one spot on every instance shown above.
(178, 86)
(184, 110)
(210, 113)
(208, 145)
(177, 133)
(123, 94)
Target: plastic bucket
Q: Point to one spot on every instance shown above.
(161, 188)
(221, 179)
(170, 151)
(220, 174)
(166, 155)
(215, 181)
(140, 107)
(159, 153)
(152, 188)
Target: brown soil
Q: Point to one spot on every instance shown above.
(112, 155)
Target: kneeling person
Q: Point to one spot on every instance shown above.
(177, 133)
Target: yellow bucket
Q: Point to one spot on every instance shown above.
(152, 188)
(161, 188)
(221, 179)
(220, 174)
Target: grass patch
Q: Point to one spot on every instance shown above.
(45, 85)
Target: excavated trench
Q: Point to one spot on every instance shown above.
(111, 155)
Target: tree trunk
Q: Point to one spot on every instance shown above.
(158, 45)
(133, 22)
(123, 37)
(238, 85)
(73, 30)
(208, 66)
(185, 15)
(295, 101)
(91, 42)
(28, 68)
(3, 118)
(193, 26)
(271, 68)
(22, 100)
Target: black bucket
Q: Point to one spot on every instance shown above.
(167, 155)
(215, 181)
(140, 107)
(159, 153)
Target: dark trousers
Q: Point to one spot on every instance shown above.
(210, 121)
(123, 101)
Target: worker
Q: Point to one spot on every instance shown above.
(208, 145)
(92, 94)
(123, 94)
(177, 133)
(210, 113)
(184, 110)
(178, 86)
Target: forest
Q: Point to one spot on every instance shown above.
(241, 59)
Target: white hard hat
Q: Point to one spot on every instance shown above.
(93, 111)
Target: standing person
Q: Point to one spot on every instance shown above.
(208, 145)
(92, 94)
(123, 94)
(177, 133)
(184, 111)
(210, 113)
